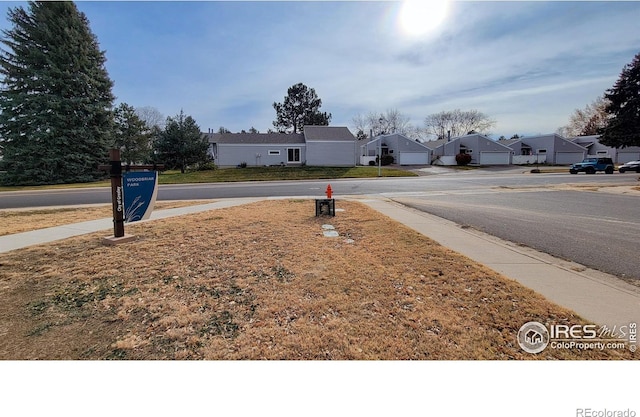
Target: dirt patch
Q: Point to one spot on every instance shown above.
(262, 282)
(18, 221)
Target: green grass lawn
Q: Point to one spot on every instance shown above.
(248, 174)
(277, 173)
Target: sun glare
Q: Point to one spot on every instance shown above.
(420, 17)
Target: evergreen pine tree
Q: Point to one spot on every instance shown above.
(131, 135)
(301, 107)
(55, 102)
(623, 125)
(181, 143)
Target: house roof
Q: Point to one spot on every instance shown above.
(586, 141)
(311, 133)
(328, 133)
(587, 138)
(485, 138)
(555, 136)
(398, 136)
(433, 144)
(509, 142)
(257, 138)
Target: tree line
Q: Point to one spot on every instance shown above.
(57, 120)
(436, 126)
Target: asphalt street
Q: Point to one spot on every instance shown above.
(465, 180)
(596, 229)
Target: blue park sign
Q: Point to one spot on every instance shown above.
(140, 191)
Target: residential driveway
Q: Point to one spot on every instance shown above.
(424, 170)
(438, 170)
(596, 229)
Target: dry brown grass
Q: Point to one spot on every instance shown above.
(261, 282)
(18, 221)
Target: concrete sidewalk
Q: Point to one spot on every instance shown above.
(51, 234)
(598, 297)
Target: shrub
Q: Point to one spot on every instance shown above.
(204, 166)
(463, 159)
(387, 160)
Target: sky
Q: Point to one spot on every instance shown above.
(527, 65)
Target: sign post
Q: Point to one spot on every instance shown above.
(118, 195)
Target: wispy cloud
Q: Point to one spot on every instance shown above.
(526, 64)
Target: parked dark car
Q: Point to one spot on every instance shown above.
(593, 164)
(630, 166)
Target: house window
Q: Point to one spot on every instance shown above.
(274, 152)
(293, 155)
(602, 153)
(542, 151)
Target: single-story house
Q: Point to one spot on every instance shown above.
(316, 146)
(558, 150)
(595, 148)
(482, 149)
(404, 150)
(330, 146)
(522, 153)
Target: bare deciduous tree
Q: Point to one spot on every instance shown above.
(389, 122)
(587, 121)
(457, 123)
(151, 117)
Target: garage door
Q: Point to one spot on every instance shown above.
(568, 158)
(624, 157)
(494, 158)
(414, 158)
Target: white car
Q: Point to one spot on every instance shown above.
(630, 166)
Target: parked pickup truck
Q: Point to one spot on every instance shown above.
(591, 165)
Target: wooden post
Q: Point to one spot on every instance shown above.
(116, 192)
(117, 199)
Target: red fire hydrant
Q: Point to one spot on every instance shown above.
(329, 191)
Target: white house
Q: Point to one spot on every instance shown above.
(595, 148)
(521, 153)
(404, 150)
(482, 149)
(317, 146)
(558, 150)
(330, 146)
